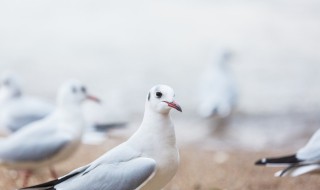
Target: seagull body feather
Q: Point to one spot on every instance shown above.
(146, 161)
(307, 159)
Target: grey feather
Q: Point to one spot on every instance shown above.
(32, 150)
(126, 175)
(32, 144)
(19, 122)
(117, 176)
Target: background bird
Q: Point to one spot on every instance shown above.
(307, 159)
(217, 93)
(101, 119)
(16, 109)
(50, 140)
(148, 160)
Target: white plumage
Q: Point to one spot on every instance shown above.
(16, 109)
(146, 161)
(45, 142)
(307, 159)
(217, 93)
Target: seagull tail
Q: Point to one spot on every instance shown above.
(280, 161)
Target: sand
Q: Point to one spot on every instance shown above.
(199, 170)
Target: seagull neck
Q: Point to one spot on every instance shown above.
(69, 108)
(151, 117)
(71, 120)
(158, 126)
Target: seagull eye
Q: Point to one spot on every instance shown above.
(83, 89)
(6, 82)
(158, 94)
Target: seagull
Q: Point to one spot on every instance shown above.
(100, 119)
(16, 109)
(305, 160)
(217, 92)
(53, 139)
(148, 160)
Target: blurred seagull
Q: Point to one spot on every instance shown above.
(101, 119)
(50, 140)
(147, 160)
(16, 109)
(217, 91)
(306, 160)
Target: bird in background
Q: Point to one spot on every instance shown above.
(16, 109)
(51, 140)
(305, 160)
(217, 92)
(148, 160)
(101, 119)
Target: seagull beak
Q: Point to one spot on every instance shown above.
(93, 98)
(174, 105)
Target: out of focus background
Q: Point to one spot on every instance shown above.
(120, 49)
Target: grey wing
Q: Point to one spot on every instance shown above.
(51, 184)
(127, 175)
(21, 121)
(32, 149)
(25, 111)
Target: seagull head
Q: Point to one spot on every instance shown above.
(161, 98)
(224, 57)
(9, 85)
(74, 92)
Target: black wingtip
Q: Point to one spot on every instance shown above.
(291, 159)
(108, 126)
(46, 186)
(50, 184)
(261, 162)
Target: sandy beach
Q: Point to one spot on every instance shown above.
(220, 160)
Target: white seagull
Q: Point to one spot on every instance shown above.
(16, 109)
(50, 140)
(148, 160)
(306, 160)
(217, 92)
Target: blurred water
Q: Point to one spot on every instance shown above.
(122, 48)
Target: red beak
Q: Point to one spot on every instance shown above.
(174, 105)
(93, 98)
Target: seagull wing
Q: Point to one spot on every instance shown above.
(32, 149)
(50, 185)
(122, 168)
(33, 143)
(25, 111)
(279, 161)
(19, 121)
(311, 152)
(127, 175)
(297, 170)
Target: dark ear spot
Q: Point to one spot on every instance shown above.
(6, 82)
(83, 89)
(149, 96)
